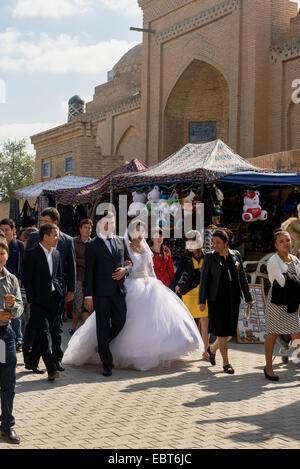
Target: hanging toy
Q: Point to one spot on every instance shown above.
(138, 206)
(219, 195)
(153, 199)
(252, 211)
(173, 205)
(188, 202)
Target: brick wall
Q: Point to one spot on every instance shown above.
(287, 161)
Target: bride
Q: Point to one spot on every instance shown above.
(158, 326)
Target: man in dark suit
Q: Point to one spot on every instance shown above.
(44, 291)
(65, 247)
(104, 285)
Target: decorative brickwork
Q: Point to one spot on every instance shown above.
(126, 105)
(194, 22)
(285, 50)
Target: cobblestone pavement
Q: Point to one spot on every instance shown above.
(189, 405)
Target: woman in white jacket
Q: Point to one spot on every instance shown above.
(278, 320)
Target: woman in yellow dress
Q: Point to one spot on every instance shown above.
(186, 282)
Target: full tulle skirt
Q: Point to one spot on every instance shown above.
(158, 328)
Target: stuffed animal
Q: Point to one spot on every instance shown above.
(154, 194)
(175, 209)
(188, 202)
(174, 206)
(138, 206)
(252, 211)
(219, 195)
(292, 226)
(153, 200)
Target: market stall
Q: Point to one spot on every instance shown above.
(94, 192)
(74, 204)
(226, 183)
(36, 191)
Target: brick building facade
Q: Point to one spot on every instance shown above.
(206, 68)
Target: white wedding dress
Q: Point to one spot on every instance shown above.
(158, 326)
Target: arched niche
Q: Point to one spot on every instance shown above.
(128, 143)
(200, 98)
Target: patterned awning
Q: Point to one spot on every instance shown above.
(205, 162)
(67, 182)
(93, 192)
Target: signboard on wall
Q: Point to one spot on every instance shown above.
(202, 131)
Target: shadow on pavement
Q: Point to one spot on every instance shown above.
(91, 374)
(283, 421)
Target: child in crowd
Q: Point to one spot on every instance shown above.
(11, 306)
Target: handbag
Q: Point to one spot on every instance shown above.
(289, 295)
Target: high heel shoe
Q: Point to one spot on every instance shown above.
(212, 356)
(270, 378)
(228, 369)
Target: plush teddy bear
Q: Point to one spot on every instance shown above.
(138, 206)
(252, 211)
(154, 194)
(153, 200)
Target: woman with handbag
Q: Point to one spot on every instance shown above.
(282, 305)
(186, 283)
(223, 281)
(162, 258)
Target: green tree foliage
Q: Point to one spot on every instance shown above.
(16, 168)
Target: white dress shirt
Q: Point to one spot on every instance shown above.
(107, 243)
(48, 255)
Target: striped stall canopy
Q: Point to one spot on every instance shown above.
(65, 183)
(94, 192)
(204, 162)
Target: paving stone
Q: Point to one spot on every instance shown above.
(189, 405)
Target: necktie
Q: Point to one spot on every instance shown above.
(112, 247)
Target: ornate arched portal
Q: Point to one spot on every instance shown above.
(197, 108)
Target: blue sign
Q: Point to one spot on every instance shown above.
(202, 131)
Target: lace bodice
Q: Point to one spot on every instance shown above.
(142, 266)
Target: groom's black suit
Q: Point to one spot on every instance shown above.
(108, 294)
(38, 284)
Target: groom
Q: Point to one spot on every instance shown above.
(104, 285)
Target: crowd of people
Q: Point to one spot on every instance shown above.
(136, 309)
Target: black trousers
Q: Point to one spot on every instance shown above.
(110, 320)
(38, 334)
(8, 364)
